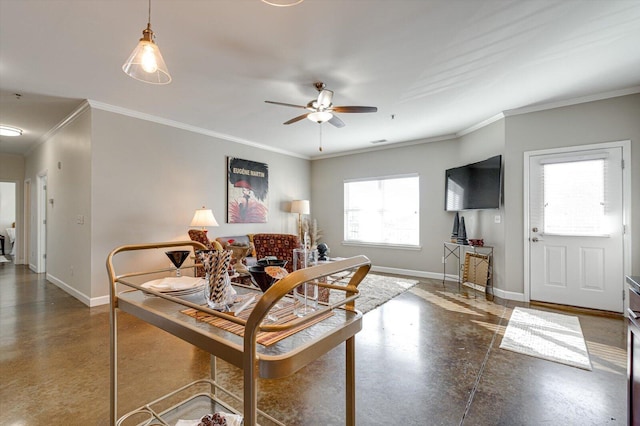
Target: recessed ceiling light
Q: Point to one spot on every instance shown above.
(10, 131)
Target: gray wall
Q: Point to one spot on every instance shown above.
(148, 179)
(593, 122)
(137, 181)
(66, 160)
(607, 120)
(477, 146)
(429, 160)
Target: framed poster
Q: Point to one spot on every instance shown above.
(247, 191)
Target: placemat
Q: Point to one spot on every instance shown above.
(265, 338)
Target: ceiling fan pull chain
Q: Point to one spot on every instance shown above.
(320, 125)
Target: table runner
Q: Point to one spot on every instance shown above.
(265, 338)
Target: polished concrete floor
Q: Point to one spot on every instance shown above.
(428, 357)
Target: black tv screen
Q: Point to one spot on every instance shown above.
(474, 186)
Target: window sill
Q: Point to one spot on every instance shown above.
(382, 245)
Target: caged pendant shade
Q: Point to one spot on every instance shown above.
(145, 62)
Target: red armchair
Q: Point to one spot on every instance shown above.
(281, 246)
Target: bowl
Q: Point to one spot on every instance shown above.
(271, 262)
(260, 278)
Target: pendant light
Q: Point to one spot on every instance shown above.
(282, 3)
(146, 63)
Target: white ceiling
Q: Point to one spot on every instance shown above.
(433, 68)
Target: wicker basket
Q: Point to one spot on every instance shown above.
(476, 271)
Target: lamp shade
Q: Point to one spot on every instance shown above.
(300, 207)
(203, 218)
(145, 62)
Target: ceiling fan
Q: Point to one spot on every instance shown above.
(322, 108)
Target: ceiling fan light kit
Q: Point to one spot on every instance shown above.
(145, 62)
(320, 116)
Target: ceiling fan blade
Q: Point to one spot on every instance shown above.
(336, 121)
(289, 105)
(324, 98)
(354, 109)
(296, 119)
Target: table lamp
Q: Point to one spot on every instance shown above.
(203, 218)
(301, 207)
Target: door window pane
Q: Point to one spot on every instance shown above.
(574, 197)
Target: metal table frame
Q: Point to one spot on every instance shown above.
(275, 361)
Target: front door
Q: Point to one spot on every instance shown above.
(576, 228)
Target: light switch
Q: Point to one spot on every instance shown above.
(80, 219)
(497, 218)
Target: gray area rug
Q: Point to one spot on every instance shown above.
(547, 335)
(376, 290)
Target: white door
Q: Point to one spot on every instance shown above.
(576, 228)
(41, 221)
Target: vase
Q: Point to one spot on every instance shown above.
(218, 291)
(456, 227)
(462, 233)
(239, 253)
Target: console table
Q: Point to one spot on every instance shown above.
(274, 361)
(457, 252)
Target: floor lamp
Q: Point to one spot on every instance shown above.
(301, 207)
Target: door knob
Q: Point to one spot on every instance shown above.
(534, 229)
(535, 239)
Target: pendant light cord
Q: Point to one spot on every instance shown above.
(149, 20)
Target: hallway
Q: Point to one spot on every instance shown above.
(428, 357)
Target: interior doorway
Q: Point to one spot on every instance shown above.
(8, 211)
(575, 226)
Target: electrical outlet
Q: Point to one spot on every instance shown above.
(497, 218)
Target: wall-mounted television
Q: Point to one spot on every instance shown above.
(474, 186)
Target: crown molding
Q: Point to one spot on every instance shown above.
(574, 101)
(481, 124)
(178, 125)
(84, 106)
(386, 146)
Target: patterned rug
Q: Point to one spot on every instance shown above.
(376, 290)
(547, 335)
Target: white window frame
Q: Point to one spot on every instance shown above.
(388, 244)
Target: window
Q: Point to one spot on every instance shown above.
(383, 210)
(574, 197)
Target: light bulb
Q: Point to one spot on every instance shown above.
(149, 63)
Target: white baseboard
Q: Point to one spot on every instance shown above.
(97, 301)
(33, 268)
(409, 272)
(89, 301)
(508, 295)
